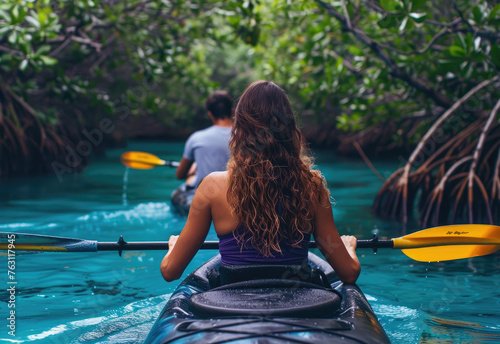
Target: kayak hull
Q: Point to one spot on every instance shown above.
(352, 322)
(181, 199)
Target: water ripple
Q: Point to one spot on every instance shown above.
(126, 325)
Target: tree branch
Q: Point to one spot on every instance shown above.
(61, 47)
(462, 16)
(442, 33)
(10, 51)
(367, 161)
(346, 14)
(430, 132)
(65, 41)
(346, 63)
(444, 116)
(396, 72)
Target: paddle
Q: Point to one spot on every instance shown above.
(429, 245)
(144, 161)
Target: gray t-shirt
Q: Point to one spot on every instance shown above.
(209, 149)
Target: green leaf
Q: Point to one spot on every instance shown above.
(33, 21)
(23, 65)
(13, 37)
(319, 36)
(355, 50)
(18, 14)
(494, 12)
(495, 55)
(339, 64)
(47, 60)
(42, 17)
(15, 13)
(25, 47)
(478, 14)
(462, 41)
(388, 5)
(418, 17)
(469, 47)
(44, 49)
(417, 4)
(402, 26)
(5, 29)
(457, 51)
(387, 21)
(5, 16)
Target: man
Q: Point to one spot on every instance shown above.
(207, 150)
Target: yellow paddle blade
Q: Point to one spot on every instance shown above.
(450, 242)
(137, 165)
(43, 243)
(451, 235)
(143, 158)
(34, 248)
(444, 253)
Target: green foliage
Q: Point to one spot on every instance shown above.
(370, 61)
(98, 58)
(357, 62)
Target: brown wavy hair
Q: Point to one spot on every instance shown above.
(273, 189)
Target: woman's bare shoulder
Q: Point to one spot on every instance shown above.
(216, 177)
(214, 183)
(219, 174)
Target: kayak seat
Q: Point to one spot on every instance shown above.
(266, 290)
(267, 297)
(231, 273)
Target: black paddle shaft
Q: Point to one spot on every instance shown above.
(122, 245)
(374, 243)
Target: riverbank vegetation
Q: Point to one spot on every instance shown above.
(368, 77)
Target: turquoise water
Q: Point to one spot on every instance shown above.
(104, 298)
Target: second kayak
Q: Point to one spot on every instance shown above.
(266, 304)
(181, 199)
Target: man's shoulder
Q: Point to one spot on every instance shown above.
(212, 132)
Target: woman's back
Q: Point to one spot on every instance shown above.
(228, 229)
(225, 222)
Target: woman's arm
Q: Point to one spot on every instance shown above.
(183, 248)
(339, 252)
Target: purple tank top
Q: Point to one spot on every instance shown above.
(232, 253)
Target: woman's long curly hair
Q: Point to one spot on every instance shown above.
(273, 190)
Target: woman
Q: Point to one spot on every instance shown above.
(269, 202)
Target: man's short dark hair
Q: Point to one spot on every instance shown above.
(220, 104)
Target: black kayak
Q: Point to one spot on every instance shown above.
(181, 199)
(220, 303)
